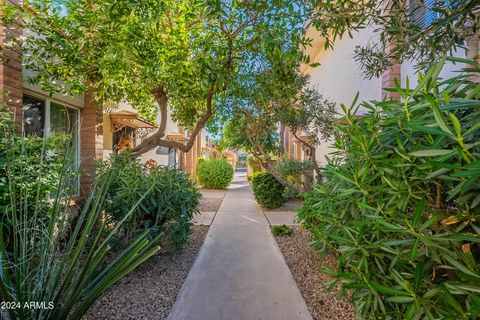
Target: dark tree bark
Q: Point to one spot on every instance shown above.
(157, 139)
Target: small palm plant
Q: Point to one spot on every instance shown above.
(47, 272)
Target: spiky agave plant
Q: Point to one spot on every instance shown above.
(45, 274)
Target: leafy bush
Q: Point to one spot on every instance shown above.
(254, 164)
(24, 158)
(267, 190)
(40, 262)
(214, 173)
(402, 203)
(30, 170)
(282, 230)
(297, 172)
(170, 199)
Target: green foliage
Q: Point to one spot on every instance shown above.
(254, 164)
(267, 190)
(403, 32)
(26, 157)
(297, 172)
(282, 230)
(401, 202)
(236, 135)
(169, 202)
(44, 258)
(30, 171)
(158, 54)
(265, 100)
(214, 173)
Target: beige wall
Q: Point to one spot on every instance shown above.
(339, 77)
(408, 70)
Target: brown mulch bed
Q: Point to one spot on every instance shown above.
(211, 200)
(150, 291)
(304, 263)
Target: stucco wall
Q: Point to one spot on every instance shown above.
(339, 77)
(408, 69)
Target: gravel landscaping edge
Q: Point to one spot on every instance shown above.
(304, 263)
(150, 291)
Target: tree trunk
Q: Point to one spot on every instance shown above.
(473, 45)
(157, 139)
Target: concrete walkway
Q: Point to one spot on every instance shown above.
(239, 272)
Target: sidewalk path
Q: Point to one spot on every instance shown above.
(239, 273)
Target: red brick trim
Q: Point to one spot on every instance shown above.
(91, 142)
(388, 78)
(11, 77)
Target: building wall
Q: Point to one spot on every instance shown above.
(408, 70)
(91, 142)
(339, 78)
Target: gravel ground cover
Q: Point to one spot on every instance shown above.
(150, 291)
(211, 200)
(304, 263)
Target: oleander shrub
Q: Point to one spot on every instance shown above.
(268, 192)
(169, 203)
(401, 202)
(32, 163)
(299, 173)
(214, 173)
(30, 171)
(40, 261)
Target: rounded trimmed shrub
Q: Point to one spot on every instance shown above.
(214, 173)
(169, 202)
(268, 192)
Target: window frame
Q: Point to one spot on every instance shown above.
(47, 125)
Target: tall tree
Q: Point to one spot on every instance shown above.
(156, 55)
(266, 96)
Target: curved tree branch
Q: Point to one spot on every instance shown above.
(157, 139)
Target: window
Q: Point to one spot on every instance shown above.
(43, 118)
(33, 116)
(425, 12)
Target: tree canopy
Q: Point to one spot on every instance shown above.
(157, 54)
(422, 30)
(196, 59)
